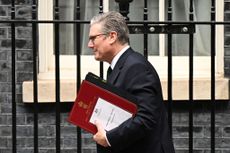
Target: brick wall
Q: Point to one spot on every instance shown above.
(201, 130)
(46, 116)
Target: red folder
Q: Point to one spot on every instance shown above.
(93, 89)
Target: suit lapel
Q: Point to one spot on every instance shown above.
(118, 67)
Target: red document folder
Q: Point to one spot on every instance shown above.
(92, 91)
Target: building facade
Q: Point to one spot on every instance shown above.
(46, 116)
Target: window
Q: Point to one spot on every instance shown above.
(157, 43)
(157, 47)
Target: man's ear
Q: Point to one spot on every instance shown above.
(112, 37)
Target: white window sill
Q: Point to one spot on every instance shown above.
(46, 89)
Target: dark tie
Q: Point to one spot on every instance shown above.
(109, 71)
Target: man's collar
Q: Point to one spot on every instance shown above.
(116, 58)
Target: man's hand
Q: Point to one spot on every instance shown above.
(100, 136)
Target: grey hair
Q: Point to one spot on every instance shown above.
(113, 21)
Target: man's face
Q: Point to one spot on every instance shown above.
(99, 43)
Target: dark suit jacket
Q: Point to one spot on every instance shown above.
(148, 131)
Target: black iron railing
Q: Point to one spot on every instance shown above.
(144, 27)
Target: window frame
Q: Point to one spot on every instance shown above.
(46, 58)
